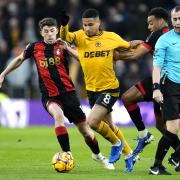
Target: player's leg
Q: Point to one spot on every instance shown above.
(170, 113)
(175, 159)
(130, 99)
(101, 104)
(61, 131)
(142, 91)
(173, 129)
(129, 158)
(168, 139)
(75, 114)
(160, 123)
(108, 120)
(94, 120)
(91, 141)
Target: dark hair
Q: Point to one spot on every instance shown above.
(176, 9)
(47, 22)
(90, 13)
(159, 12)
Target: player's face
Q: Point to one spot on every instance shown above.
(91, 26)
(49, 34)
(154, 24)
(175, 18)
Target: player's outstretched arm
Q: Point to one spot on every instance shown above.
(135, 43)
(132, 54)
(15, 63)
(71, 50)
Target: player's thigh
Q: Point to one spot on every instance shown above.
(72, 108)
(108, 120)
(132, 95)
(53, 107)
(145, 87)
(96, 114)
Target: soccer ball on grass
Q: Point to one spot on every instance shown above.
(63, 162)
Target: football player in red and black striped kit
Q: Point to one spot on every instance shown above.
(142, 91)
(58, 93)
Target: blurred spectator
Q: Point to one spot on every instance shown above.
(19, 88)
(3, 53)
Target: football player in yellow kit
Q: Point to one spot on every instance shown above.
(95, 53)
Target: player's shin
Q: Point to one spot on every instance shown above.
(107, 133)
(127, 149)
(63, 138)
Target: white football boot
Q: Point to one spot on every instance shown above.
(103, 160)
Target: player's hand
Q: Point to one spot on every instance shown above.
(71, 50)
(135, 43)
(1, 80)
(63, 43)
(158, 96)
(64, 18)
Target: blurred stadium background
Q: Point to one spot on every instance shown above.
(20, 97)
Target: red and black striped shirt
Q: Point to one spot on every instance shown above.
(153, 37)
(52, 65)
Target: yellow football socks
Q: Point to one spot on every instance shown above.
(107, 133)
(127, 150)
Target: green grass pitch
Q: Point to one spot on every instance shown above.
(26, 154)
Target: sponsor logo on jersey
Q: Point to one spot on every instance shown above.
(96, 54)
(49, 62)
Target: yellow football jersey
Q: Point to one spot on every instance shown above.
(96, 57)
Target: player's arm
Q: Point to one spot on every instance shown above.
(126, 51)
(132, 54)
(157, 95)
(135, 43)
(71, 50)
(145, 47)
(66, 35)
(64, 29)
(15, 63)
(158, 61)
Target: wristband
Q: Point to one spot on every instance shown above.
(155, 86)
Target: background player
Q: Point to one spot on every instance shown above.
(142, 91)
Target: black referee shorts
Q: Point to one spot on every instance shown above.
(171, 95)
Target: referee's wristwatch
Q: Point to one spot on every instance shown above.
(155, 86)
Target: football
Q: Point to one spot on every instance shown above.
(63, 162)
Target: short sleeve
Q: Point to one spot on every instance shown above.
(160, 52)
(151, 40)
(119, 42)
(28, 51)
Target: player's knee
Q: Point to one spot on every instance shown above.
(58, 117)
(125, 99)
(93, 124)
